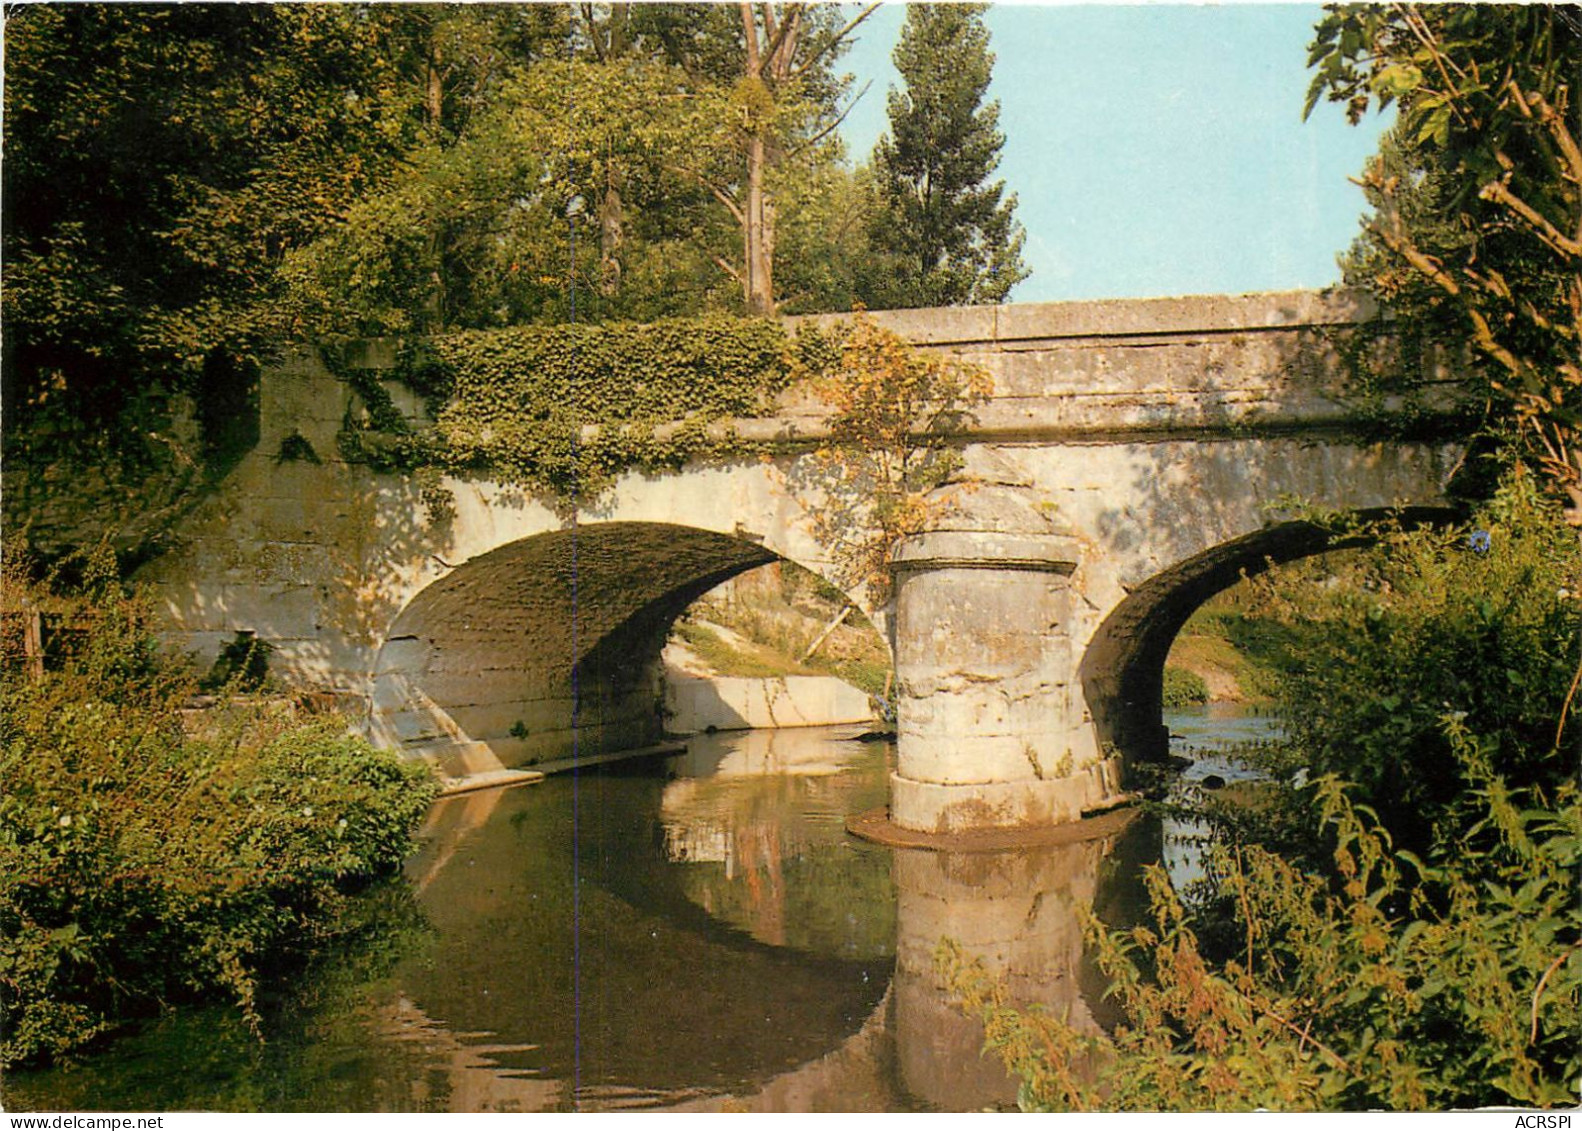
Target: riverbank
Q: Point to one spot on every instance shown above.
(1230, 651)
(153, 854)
(774, 647)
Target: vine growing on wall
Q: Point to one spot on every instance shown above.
(565, 409)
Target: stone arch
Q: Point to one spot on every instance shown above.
(547, 645)
(1122, 669)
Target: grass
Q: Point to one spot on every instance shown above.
(1238, 654)
(772, 626)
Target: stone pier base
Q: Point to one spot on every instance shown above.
(964, 807)
(992, 730)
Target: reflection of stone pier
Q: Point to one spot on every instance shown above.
(1019, 913)
(735, 945)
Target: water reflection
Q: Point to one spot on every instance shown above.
(758, 818)
(1210, 736)
(697, 933)
(648, 941)
(1020, 914)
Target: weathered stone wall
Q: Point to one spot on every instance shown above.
(507, 633)
(548, 642)
(696, 703)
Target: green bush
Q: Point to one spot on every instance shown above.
(150, 855)
(1183, 688)
(1478, 622)
(1331, 1002)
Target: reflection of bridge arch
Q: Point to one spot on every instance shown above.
(547, 643)
(644, 993)
(674, 1001)
(1122, 669)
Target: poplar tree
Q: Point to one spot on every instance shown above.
(945, 234)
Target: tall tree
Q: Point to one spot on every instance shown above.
(1477, 221)
(774, 62)
(950, 234)
(476, 233)
(162, 160)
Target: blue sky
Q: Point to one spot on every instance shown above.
(1156, 149)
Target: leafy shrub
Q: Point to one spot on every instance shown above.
(1183, 688)
(896, 415)
(1331, 1002)
(1479, 622)
(146, 857)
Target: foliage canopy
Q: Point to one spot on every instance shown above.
(1477, 224)
(948, 234)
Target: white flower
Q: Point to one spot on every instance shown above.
(307, 811)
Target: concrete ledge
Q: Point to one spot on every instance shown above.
(1106, 318)
(490, 779)
(1272, 310)
(965, 549)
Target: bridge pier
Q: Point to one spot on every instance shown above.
(992, 732)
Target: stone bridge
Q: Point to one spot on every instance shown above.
(1121, 474)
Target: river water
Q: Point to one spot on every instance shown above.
(696, 932)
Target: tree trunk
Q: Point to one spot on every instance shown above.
(757, 286)
(611, 234)
(434, 89)
(758, 234)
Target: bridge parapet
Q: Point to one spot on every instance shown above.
(1078, 371)
(1146, 368)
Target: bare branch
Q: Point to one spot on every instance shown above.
(834, 40)
(1555, 965)
(723, 264)
(1500, 193)
(1483, 333)
(750, 33)
(829, 129)
(1424, 34)
(1564, 140)
(1396, 240)
(718, 193)
(780, 37)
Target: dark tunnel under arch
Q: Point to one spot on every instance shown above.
(1122, 670)
(517, 644)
